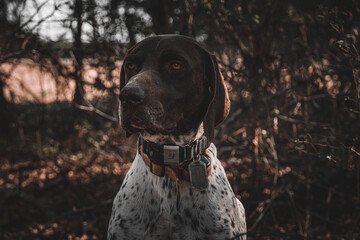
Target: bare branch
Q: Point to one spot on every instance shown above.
(91, 108)
(298, 121)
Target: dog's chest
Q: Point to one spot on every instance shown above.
(146, 207)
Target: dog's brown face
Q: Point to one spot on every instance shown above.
(169, 85)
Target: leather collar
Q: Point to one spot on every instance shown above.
(173, 160)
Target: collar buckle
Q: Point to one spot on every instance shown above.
(171, 155)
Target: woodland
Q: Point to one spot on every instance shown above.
(290, 145)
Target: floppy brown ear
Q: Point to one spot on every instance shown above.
(219, 105)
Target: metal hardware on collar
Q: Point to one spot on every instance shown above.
(191, 153)
(196, 148)
(198, 173)
(171, 155)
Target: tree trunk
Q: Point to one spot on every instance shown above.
(78, 55)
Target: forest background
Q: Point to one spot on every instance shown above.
(290, 146)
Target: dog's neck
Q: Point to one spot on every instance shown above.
(180, 140)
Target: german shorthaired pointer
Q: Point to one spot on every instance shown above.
(173, 94)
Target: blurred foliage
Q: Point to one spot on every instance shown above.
(290, 146)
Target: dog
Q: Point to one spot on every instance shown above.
(173, 94)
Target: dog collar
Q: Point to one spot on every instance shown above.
(173, 160)
(163, 154)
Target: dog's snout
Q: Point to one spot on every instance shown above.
(132, 95)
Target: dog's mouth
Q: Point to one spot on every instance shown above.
(149, 118)
(132, 126)
(135, 125)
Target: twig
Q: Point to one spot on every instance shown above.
(32, 16)
(317, 144)
(97, 111)
(298, 121)
(293, 204)
(234, 116)
(354, 151)
(354, 111)
(45, 18)
(273, 152)
(239, 235)
(313, 97)
(261, 216)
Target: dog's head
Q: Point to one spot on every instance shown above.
(170, 84)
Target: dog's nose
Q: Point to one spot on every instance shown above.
(132, 95)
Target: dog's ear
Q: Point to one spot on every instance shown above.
(219, 102)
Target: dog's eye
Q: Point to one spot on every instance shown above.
(131, 66)
(175, 66)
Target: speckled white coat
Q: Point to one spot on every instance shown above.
(145, 207)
